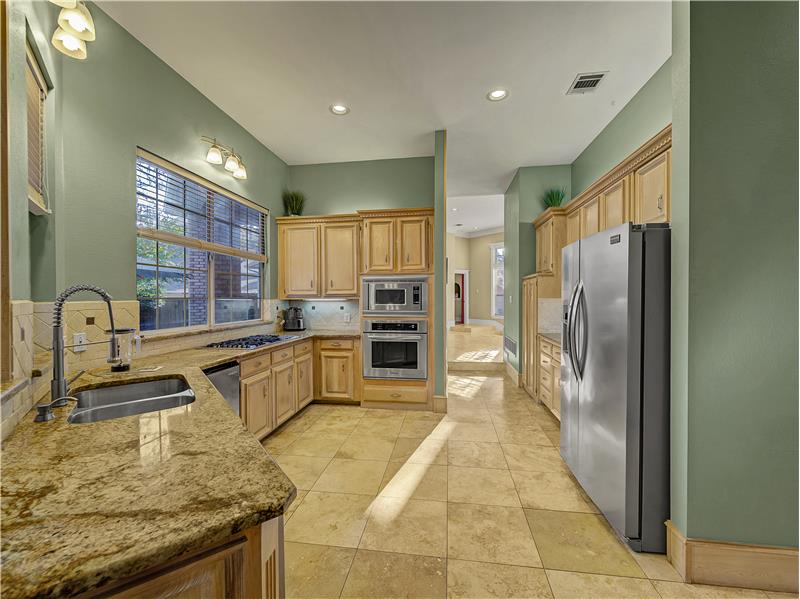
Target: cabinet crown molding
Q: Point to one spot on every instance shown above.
(394, 212)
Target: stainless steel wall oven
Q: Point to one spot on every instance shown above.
(395, 349)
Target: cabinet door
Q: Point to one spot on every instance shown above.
(336, 376)
(299, 251)
(379, 245)
(651, 184)
(305, 380)
(412, 248)
(544, 247)
(340, 259)
(256, 403)
(614, 205)
(573, 227)
(283, 377)
(556, 398)
(590, 217)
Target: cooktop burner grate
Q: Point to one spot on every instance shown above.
(252, 342)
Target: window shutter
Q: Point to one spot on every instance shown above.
(36, 92)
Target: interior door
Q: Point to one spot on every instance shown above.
(570, 414)
(602, 317)
(458, 298)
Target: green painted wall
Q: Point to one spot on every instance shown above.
(439, 264)
(344, 187)
(647, 113)
(741, 372)
(523, 203)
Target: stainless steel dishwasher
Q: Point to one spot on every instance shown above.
(226, 379)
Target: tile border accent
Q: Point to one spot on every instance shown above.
(720, 563)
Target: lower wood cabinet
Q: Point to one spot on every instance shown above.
(256, 403)
(284, 390)
(549, 377)
(304, 370)
(530, 350)
(396, 392)
(336, 374)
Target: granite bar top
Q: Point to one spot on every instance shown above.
(554, 337)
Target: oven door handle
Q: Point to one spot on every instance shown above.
(393, 337)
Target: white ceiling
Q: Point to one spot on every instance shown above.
(407, 69)
(470, 216)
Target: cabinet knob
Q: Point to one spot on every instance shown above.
(312, 283)
(395, 395)
(336, 344)
(387, 258)
(331, 282)
(342, 367)
(408, 257)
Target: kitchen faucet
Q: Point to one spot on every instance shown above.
(59, 386)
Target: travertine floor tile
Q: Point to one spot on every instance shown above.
(407, 526)
(316, 571)
(522, 435)
(362, 447)
(415, 481)
(475, 580)
(533, 458)
(475, 454)
(484, 486)
(580, 543)
(379, 427)
(322, 446)
(490, 534)
(293, 506)
(303, 471)
(551, 491)
(362, 477)
(378, 575)
(418, 428)
(656, 566)
(554, 436)
(577, 585)
(420, 451)
(277, 442)
(329, 519)
(679, 590)
(464, 431)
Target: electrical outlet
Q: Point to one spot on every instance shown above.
(79, 341)
(346, 316)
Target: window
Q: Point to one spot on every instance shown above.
(498, 253)
(36, 91)
(200, 250)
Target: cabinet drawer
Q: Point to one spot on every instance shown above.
(556, 353)
(336, 344)
(281, 355)
(545, 380)
(395, 394)
(303, 348)
(253, 366)
(545, 361)
(545, 347)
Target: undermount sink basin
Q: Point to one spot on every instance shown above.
(129, 399)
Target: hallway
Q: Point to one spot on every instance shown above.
(477, 503)
(475, 348)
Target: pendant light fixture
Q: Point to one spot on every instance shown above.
(65, 3)
(222, 154)
(68, 44)
(77, 21)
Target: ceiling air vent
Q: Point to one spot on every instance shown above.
(586, 82)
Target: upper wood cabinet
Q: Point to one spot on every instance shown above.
(550, 238)
(379, 245)
(298, 260)
(397, 241)
(544, 247)
(318, 256)
(573, 226)
(651, 185)
(590, 217)
(615, 204)
(340, 259)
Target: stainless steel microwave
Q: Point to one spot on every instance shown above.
(394, 296)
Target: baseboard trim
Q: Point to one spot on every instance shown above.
(732, 564)
(440, 404)
(512, 373)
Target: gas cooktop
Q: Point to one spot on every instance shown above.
(252, 342)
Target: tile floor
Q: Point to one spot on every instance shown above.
(476, 347)
(473, 504)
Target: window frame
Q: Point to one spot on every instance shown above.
(37, 199)
(493, 247)
(211, 248)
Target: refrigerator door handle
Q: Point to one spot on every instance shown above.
(584, 316)
(571, 324)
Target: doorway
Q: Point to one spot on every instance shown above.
(459, 293)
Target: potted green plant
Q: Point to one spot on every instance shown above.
(293, 202)
(552, 198)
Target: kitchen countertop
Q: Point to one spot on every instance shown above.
(85, 504)
(554, 337)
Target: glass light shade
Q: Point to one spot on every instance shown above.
(65, 3)
(241, 172)
(78, 22)
(68, 44)
(496, 95)
(214, 155)
(232, 163)
(339, 109)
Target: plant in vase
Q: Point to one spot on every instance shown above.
(293, 202)
(552, 198)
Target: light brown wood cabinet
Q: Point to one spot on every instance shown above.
(548, 383)
(651, 183)
(336, 373)
(284, 391)
(304, 370)
(615, 204)
(397, 241)
(544, 247)
(551, 233)
(298, 260)
(530, 350)
(590, 217)
(573, 226)
(340, 259)
(256, 403)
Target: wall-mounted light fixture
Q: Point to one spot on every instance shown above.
(75, 28)
(222, 154)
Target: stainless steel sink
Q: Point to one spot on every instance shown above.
(129, 399)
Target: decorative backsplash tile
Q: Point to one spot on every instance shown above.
(328, 314)
(550, 315)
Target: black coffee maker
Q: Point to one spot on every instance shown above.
(294, 320)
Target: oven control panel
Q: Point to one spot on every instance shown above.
(395, 326)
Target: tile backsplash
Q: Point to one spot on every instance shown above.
(341, 314)
(550, 315)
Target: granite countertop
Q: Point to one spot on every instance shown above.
(554, 337)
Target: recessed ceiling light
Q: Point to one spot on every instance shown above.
(339, 109)
(496, 95)
(475, 228)
(453, 209)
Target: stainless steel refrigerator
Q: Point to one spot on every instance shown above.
(615, 292)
